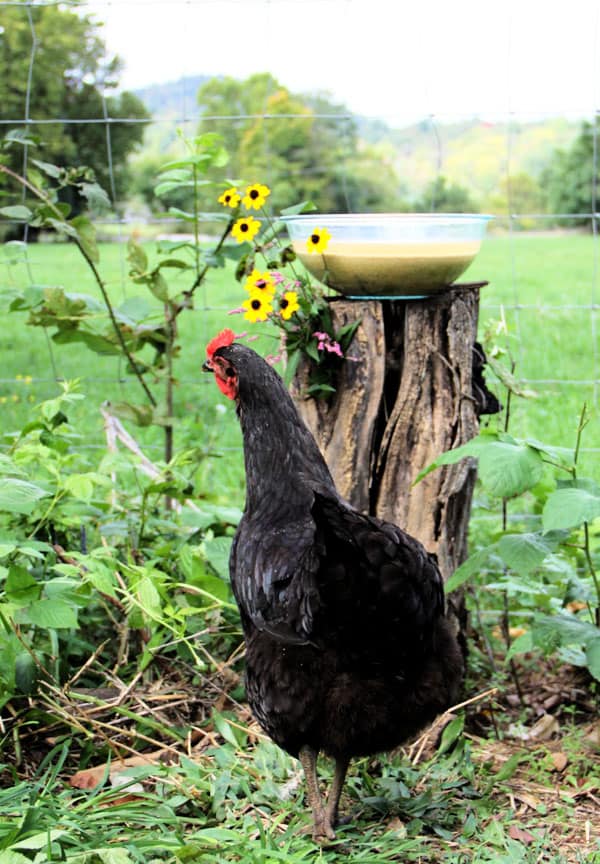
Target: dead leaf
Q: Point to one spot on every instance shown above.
(544, 728)
(576, 606)
(528, 799)
(89, 778)
(521, 834)
(560, 760)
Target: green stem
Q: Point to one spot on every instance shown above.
(59, 215)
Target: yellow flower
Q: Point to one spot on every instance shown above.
(260, 283)
(255, 196)
(257, 308)
(288, 304)
(318, 240)
(27, 379)
(230, 197)
(245, 229)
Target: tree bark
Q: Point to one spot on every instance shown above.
(404, 395)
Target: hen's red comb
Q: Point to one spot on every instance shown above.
(225, 337)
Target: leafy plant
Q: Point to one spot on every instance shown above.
(549, 570)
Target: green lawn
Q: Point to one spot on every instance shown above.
(543, 286)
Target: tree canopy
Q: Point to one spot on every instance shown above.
(570, 177)
(302, 146)
(54, 79)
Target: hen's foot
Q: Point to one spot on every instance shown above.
(322, 830)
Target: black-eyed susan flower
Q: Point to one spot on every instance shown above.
(258, 308)
(260, 283)
(245, 229)
(230, 197)
(288, 304)
(318, 239)
(255, 196)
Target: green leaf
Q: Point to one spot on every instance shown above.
(472, 448)
(48, 168)
(451, 734)
(524, 552)
(137, 257)
(16, 211)
(95, 196)
(550, 631)
(19, 496)
(26, 672)
(592, 657)
(224, 729)
(53, 613)
(79, 486)
(570, 507)
(507, 469)
(217, 553)
(20, 586)
(523, 644)
(148, 597)
(468, 569)
(302, 207)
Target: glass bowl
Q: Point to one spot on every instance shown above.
(389, 254)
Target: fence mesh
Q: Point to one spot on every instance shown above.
(271, 24)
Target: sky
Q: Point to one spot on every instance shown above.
(401, 60)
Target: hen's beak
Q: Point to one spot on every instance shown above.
(207, 367)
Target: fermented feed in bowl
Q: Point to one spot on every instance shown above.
(389, 254)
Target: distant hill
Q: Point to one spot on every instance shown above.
(475, 154)
(174, 99)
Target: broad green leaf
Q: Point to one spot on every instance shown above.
(554, 630)
(79, 486)
(54, 613)
(507, 469)
(217, 553)
(592, 656)
(6, 549)
(19, 496)
(40, 840)
(16, 211)
(224, 729)
(524, 552)
(474, 447)
(521, 645)
(95, 196)
(570, 507)
(148, 597)
(468, 569)
(48, 168)
(20, 585)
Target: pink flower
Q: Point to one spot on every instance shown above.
(277, 277)
(326, 343)
(237, 311)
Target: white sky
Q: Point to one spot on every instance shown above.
(402, 60)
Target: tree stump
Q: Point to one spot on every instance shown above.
(404, 395)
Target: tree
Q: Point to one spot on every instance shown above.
(70, 73)
(571, 177)
(302, 146)
(443, 197)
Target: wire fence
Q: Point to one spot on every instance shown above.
(557, 380)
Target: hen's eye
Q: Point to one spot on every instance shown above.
(230, 372)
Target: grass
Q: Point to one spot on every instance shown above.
(544, 288)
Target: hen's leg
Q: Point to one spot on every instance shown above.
(322, 827)
(333, 799)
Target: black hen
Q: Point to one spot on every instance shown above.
(347, 648)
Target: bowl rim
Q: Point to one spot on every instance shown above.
(388, 217)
